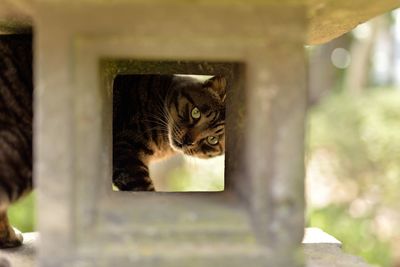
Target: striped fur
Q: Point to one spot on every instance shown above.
(152, 119)
(16, 90)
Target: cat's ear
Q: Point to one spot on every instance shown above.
(218, 85)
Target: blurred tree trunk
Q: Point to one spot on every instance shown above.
(357, 74)
(323, 75)
(383, 53)
(396, 50)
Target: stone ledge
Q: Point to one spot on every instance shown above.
(314, 235)
(320, 249)
(327, 19)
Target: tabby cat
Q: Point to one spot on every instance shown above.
(156, 116)
(15, 128)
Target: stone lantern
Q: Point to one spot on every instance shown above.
(80, 46)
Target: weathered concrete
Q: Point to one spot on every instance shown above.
(326, 255)
(261, 211)
(327, 19)
(16, 16)
(321, 249)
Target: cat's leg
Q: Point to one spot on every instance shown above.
(9, 236)
(15, 179)
(135, 180)
(130, 171)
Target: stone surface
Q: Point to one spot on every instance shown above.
(16, 15)
(331, 18)
(321, 250)
(327, 255)
(94, 226)
(314, 235)
(328, 19)
(24, 256)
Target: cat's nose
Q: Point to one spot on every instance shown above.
(187, 140)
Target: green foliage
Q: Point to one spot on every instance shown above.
(202, 175)
(361, 134)
(354, 233)
(22, 214)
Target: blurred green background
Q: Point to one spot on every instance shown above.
(353, 145)
(22, 214)
(353, 176)
(353, 140)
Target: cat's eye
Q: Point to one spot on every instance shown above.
(196, 114)
(212, 140)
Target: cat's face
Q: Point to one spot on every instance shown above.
(196, 125)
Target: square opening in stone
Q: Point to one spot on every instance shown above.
(170, 127)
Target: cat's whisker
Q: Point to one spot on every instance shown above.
(161, 130)
(157, 124)
(155, 118)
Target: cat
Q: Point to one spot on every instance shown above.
(16, 90)
(156, 116)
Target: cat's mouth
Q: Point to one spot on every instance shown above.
(180, 147)
(177, 144)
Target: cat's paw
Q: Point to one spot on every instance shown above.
(127, 182)
(4, 262)
(12, 238)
